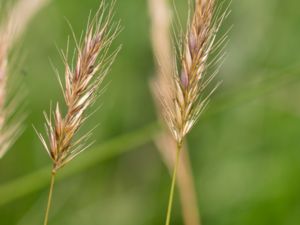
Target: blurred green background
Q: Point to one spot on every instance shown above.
(244, 150)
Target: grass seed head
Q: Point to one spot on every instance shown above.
(184, 100)
(81, 88)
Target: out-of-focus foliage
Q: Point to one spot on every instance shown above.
(245, 148)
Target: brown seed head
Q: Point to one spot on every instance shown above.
(80, 90)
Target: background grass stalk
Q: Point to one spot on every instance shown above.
(171, 197)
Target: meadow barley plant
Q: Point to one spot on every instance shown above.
(81, 88)
(182, 95)
(160, 15)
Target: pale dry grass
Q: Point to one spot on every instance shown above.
(15, 19)
(18, 17)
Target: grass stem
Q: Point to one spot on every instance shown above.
(171, 197)
(49, 197)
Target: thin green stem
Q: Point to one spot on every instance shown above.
(171, 197)
(50, 197)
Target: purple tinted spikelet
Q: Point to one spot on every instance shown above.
(187, 85)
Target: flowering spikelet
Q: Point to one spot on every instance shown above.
(80, 89)
(186, 87)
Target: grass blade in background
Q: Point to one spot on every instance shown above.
(40, 179)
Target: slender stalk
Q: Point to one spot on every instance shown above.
(49, 197)
(171, 197)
